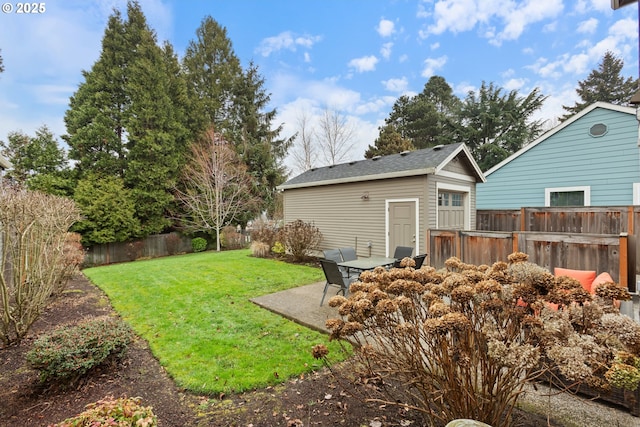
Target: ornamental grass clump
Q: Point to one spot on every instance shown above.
(462, 342)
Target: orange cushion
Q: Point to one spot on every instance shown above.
(602, 278)
(585, 277)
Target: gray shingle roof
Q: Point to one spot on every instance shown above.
(417, 162)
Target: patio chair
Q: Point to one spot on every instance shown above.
(336, 255)
(348, 254)
(333, 255)
(419, 259)
(402, 252)
(334, 278)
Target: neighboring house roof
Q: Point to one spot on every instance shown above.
(4, 163)
(546, 135)
(408, 163)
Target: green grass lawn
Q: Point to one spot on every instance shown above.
(194, 311)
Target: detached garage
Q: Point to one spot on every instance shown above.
(377, 204)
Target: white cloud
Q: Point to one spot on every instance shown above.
(464, 15)
(366, 63)
(514, 84)
(462, 89)
(434, 46)
(286, 41)
(588, 6)
(517, 19)
(385, 50)
(53, 94)
(576, 64)
(396, 85)
(589, 26)
(385, 28)
(431, 65)
(454, 16)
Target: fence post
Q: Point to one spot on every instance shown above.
(514, 241)
(523, 226)
(624, 260)
(458, 244)
(428, 247)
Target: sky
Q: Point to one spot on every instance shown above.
(351, 57)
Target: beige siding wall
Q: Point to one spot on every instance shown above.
(345, 219)
(458, 165)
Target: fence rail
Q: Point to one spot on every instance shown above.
(606, 220)
(149, 247)
(614, 254)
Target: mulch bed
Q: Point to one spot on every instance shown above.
(316, 399)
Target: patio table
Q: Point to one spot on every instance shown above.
(362, 264)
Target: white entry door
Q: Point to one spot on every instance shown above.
(401, 225)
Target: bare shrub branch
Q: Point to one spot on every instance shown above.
(217, 187)
(37, 255)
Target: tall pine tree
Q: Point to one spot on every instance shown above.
(427, 118)
(232, 101)
(603, 84)
(495, 124)
(127, 120)
(96, 116)
(389, 142)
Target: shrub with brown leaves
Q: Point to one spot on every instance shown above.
(463, 342)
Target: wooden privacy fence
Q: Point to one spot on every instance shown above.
(562, 219)
(150, 247)
(154, 246)
(614, 254)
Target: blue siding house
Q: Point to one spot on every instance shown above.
(591, 159)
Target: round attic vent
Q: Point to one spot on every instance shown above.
(598, 129)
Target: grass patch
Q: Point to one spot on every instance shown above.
(195, 313)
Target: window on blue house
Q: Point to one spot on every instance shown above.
(568, 196)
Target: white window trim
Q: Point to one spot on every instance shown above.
(466, 200)
(386, 222)
(585, 189)
(636, 193)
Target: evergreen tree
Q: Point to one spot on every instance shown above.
(128, 118)
(1, 65)
(427, 118)
(603, 84)
(389, 142)
(157, 136)
(38, 162)
(495, 125)
(232, 101)
(96, 116)
(212, 70)
(108, 210)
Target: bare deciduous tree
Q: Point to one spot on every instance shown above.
(335, 136)
(216, 186)
(37, 255)
(304, 152)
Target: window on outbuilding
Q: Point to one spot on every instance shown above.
(449, 199)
